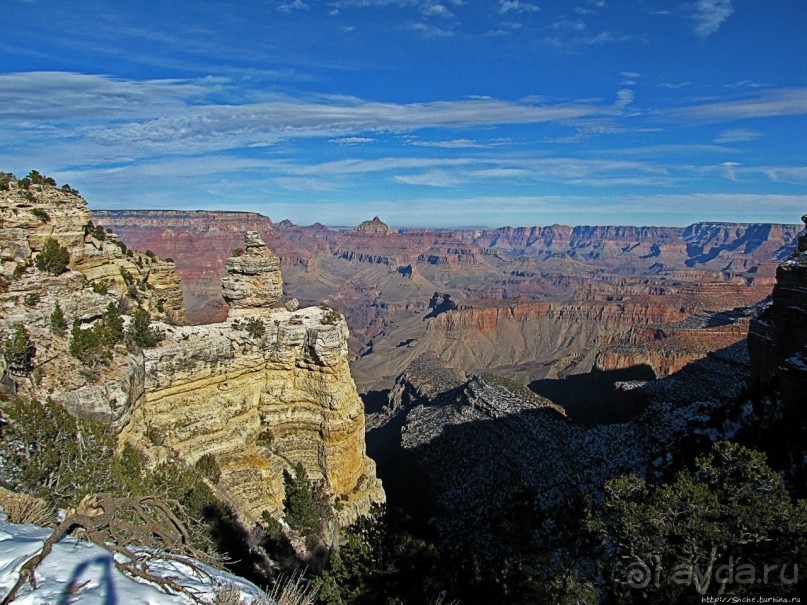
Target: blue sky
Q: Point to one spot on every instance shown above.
(424, 112)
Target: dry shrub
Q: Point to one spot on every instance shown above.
(228, 595)
(25, 509)
(293, 590)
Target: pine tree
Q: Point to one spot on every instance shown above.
(58, 324)
(19, 352)
(140, 332)
(53, 258)
(300, 505)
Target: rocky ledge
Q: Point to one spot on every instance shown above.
(259, 404)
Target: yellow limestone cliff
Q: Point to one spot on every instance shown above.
(259, 403)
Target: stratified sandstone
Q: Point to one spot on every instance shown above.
(259, 406)
(253, 281)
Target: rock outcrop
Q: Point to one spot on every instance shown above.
(259, 394)
(475, 445)
(253, 281)
(374, 226)
(260, 402)
(101, 271)
(778, 337)
(259, 405)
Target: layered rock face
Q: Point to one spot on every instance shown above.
(599, 281)
(99, 273)
(253, 279)
(260, 403)
(778, 337)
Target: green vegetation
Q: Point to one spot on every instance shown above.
(53, 258)
(100, 287)
(31, 300)
(93, 346)
(331, 317)
(731, 512)
(41, 214)
(302, 511)
(58, 323)
(140, 331)
(255, 327)
(46, 452)
(19, 351)
(237, 252)
(208, 468)
(35, 178)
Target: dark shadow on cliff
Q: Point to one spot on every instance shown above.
(593, 398)
(405, 484)
(374, 401)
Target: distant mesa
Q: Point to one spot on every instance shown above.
(374, 226)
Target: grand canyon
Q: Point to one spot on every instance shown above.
(368, 400)
(534, 304)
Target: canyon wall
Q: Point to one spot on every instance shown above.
(260, 393)
(597, 281)
(778, 337)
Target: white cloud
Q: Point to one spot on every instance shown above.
(67, 95)
(624, 97)
(452, 144)
(709, 15)
(431, 31)
(737, 135)
(506, 6)
(770, 103)
(674, 85)
(433, 178)
(352, 140)
(294, 5)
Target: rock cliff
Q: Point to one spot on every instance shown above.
(778, 337)
(382, 281)
(101, 271)
(259, 403)
(257, 400)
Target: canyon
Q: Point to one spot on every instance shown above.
(537, 305)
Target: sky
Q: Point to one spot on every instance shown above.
(424, 112)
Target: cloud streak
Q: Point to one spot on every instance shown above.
(709, 15)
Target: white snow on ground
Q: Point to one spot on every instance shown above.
(91, 573)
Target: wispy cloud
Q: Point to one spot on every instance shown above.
(294, 5)
(142, 117)
(770, 103)
(432, 178)
(352, 140)
(517, 6)
(709, 15)
(737, 135)
(431, 31)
